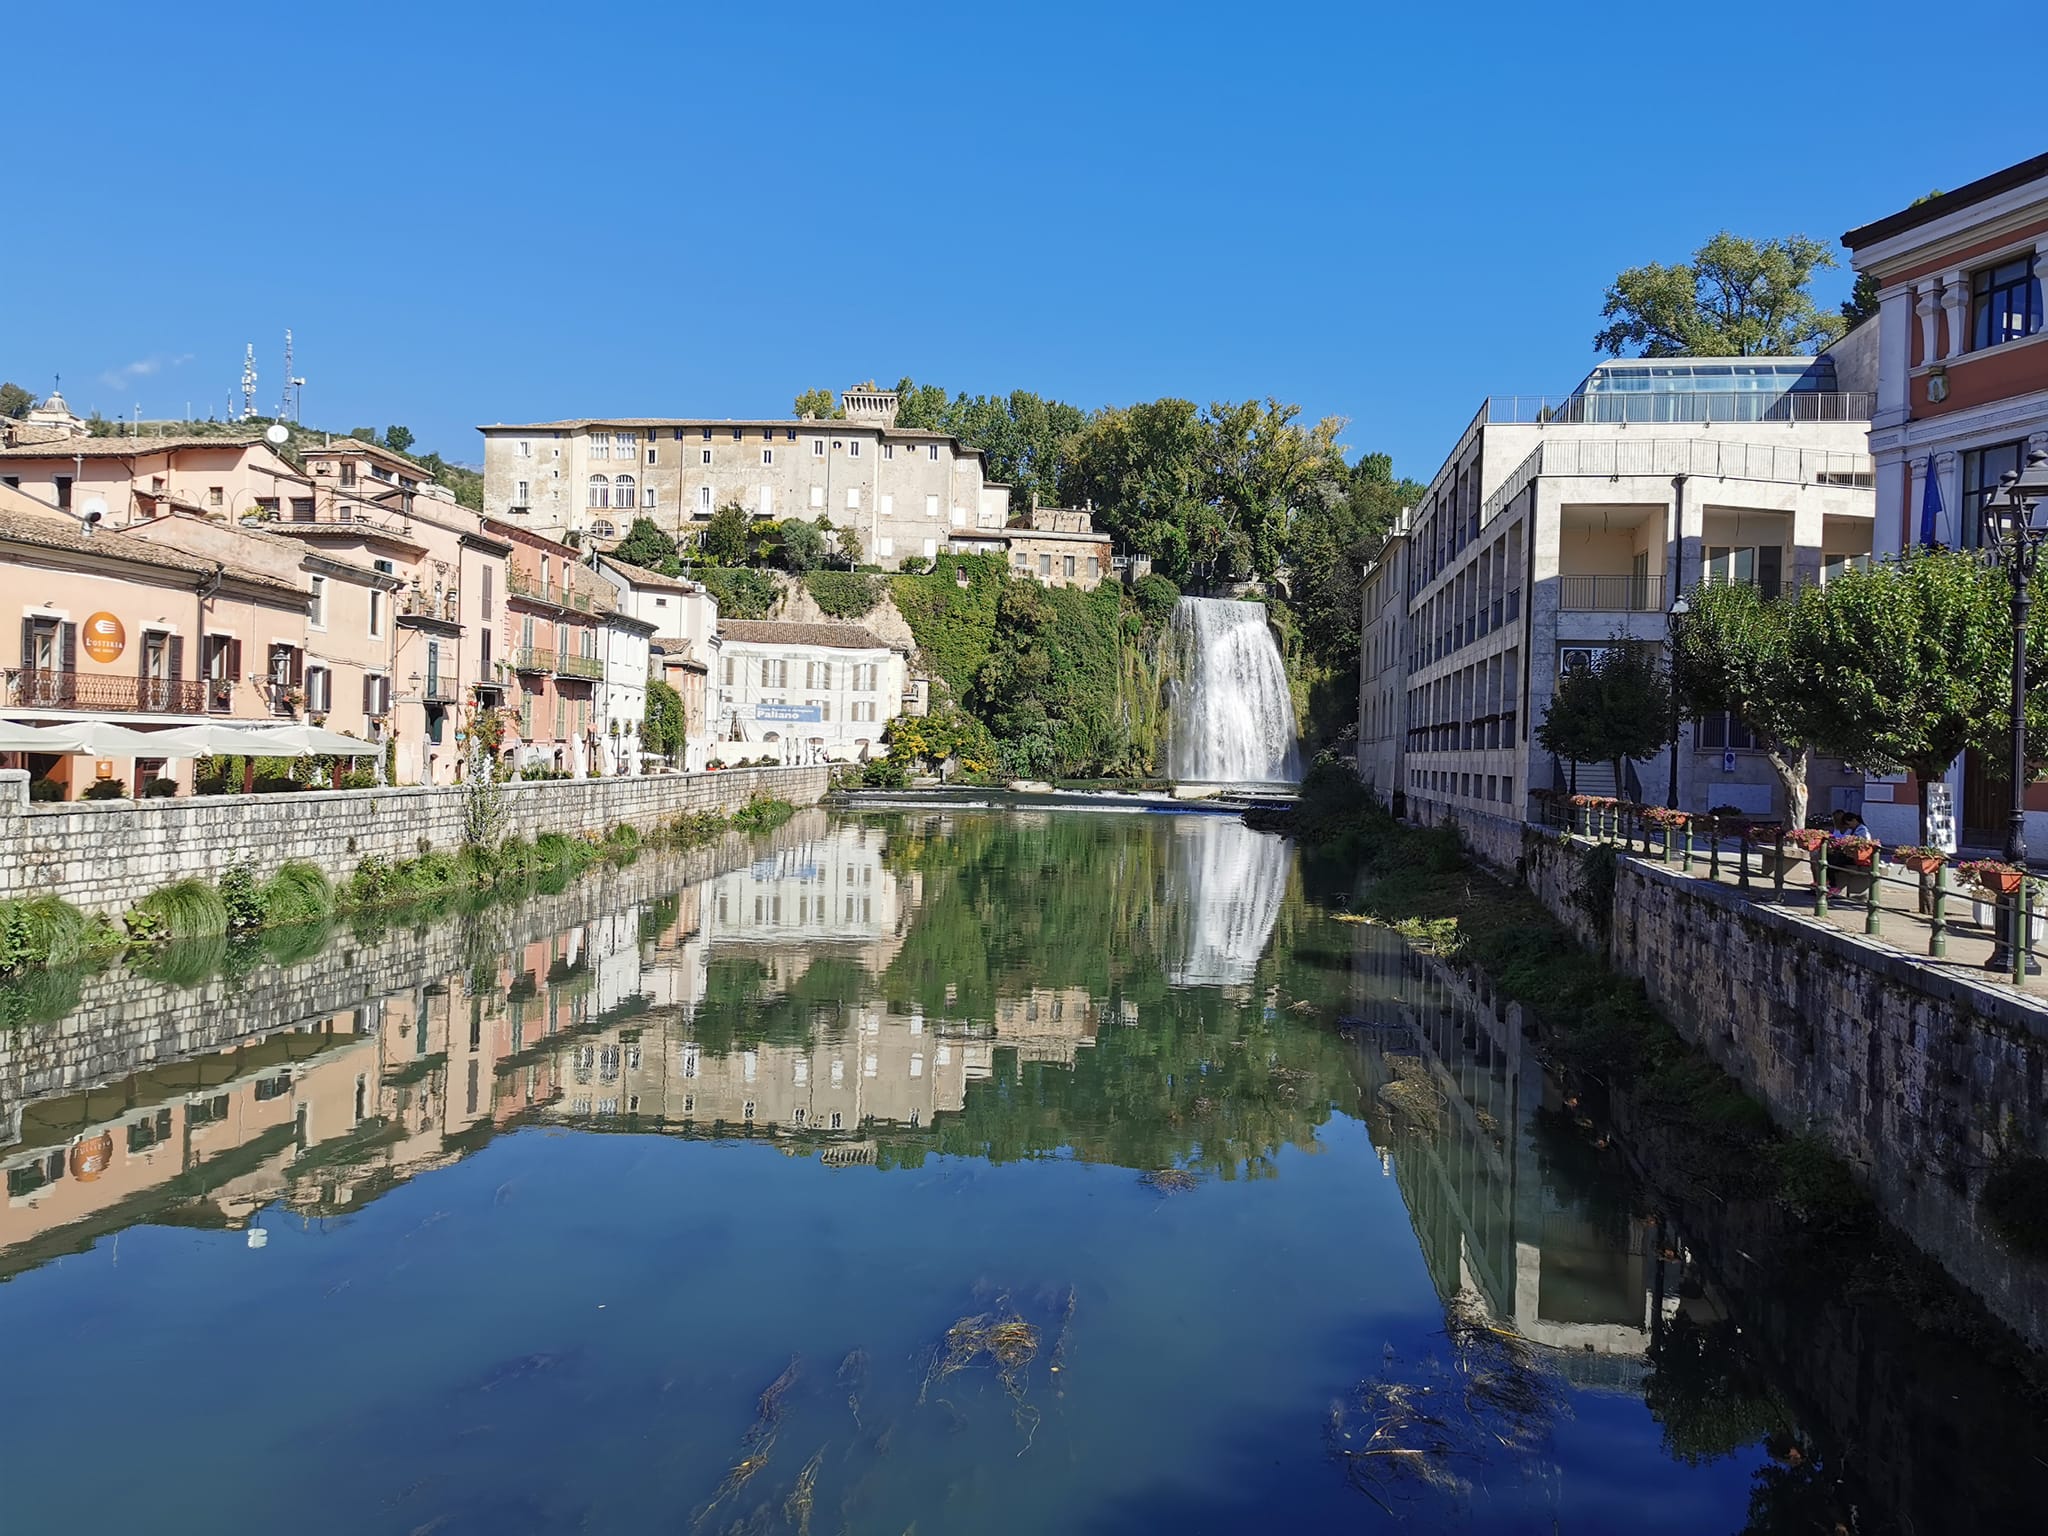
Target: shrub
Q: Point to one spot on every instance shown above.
(160, 789)
(844, 594)
(185, 909)
(44, 930)
(44, 790)
(359, 778)
(1155, 597)
(276, 784)
(762, 815)
(242, 897)
(105, 789)
(297, 893)
(884, 773)
(742, 593)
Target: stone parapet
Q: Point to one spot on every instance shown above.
(103, 855)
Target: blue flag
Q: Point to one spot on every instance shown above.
(1930, 507)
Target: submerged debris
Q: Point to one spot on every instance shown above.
(1169, 1181)
(1008, 1341)
(853, 1373)
(758, 1441)
(1059, 1348)
(1427, 1428)
(796, 1509)
(1414, 1091)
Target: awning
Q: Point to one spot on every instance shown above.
(302, 740)
(80, 738)
(214, 739)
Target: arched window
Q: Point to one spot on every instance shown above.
(602, 528)
(600, 491)
(622, 492)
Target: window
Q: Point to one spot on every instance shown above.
(739, 434)
(316, 614)
(319, 690)
(707, 434)
(853, 498)
(728, 671)
(767, 455)
(1045, 565)
(853, 449)
(2005, 302)
(1067, 567)
(623, 489)
(1724, 733)
(959, 517)
(376, 614)
(817, 496)
(1760, 567)
(703, 455)
(600, 445)
(884, 547)
(1982, 468)
(932, 451)
(650, 498)
(704, 498)
(1094, 567)
(817, 447)
(526, 450)
(602, 527)
(888, 505)
(653, 454)
(600, 491)
(215, 496)
(931, 506)
(521, 496)
(888, 450)
(766, 499)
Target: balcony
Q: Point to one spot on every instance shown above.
(523, 583)
(533, 658)
(439, 688)
(423, 610)
(36, 688)
(1610, 594)
(581, 666)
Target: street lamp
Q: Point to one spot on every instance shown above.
(1679, 610)
(2013, 524)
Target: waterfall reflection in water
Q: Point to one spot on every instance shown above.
(968, 1036)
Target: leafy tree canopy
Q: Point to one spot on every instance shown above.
(1735, 298)
(1734, 652)
(663, 729)
(802, 545)
(15, 402)
(1023, 436)
(819, 403)
(727, 536)
(398, 439)
(1619, 708)
(647, 546)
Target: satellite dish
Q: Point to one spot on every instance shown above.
(95, 508)
(277, 434)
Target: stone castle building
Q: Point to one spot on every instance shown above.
(907, 492)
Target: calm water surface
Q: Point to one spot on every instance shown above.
(948, 1172)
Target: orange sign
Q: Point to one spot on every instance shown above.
(105, 639)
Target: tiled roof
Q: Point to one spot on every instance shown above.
(50, 530)
(343, 445)
(846, 637)
(641, 576)
(698, 423)
(124, 447)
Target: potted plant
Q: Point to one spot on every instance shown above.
(1854, 852)
(1769, 833)
(1661, 816)
(223, 689)
(1994, 875)
(1921, 860)
(1808, 838)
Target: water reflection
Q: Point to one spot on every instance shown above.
(1028, 1012)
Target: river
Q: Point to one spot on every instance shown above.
(946, 1170)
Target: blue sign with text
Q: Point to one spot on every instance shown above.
(801, 713)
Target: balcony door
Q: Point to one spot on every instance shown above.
(49, 663)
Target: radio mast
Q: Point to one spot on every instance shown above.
(249, 381)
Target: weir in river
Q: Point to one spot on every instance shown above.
(1233, 719)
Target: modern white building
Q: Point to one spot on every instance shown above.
(623, 643)
(905, 491)
(1559, 525)
(802, 693)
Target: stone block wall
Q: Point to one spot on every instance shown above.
(1919, 1078)
(103, 856)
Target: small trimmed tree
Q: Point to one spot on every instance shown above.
(801, 546)
(648, 546)
(727, 536)
(663, 729)
(1617, 710)
(1911, 662)
(1734, 653)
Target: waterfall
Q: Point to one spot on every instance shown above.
(1227, 886)
(1233, 720)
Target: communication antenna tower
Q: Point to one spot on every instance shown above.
(249, 381)
(294, 386)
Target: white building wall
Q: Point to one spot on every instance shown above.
(863, 694)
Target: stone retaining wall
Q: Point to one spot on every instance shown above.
(103, 856)
(1918, 1077)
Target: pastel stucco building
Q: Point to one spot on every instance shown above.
(803, 693)
(904, 491)
(1560, 525)
(1962, 398)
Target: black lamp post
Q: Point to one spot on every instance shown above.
(1679, 610)
(2013, 524)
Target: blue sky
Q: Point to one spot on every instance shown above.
(471, 214)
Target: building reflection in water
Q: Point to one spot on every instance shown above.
(1512, 1206)
(620, 1018)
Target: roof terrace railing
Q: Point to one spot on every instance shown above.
(1630, 407)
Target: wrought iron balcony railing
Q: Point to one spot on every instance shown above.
(533, 658)
(39, 688)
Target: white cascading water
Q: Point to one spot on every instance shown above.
(1233, 721)
(1227, 885)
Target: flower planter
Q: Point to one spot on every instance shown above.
(1852, 858)
(1922, 863)
(2000, 882)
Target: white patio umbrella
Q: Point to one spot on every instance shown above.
(300, 740)
(80, 738)
(214, 739)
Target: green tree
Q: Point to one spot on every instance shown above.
(398, 439)
(1735, 298)
(1143, 468)
(648, 546)
(847, 546)
(1734, 652)
(1634, 720)
(819, 403)
(663, 729)
(1329, 541)
(15, 402)
(1861, 305)
(726, 537)
(1911, 662)
(920, 407)
(1023, 436)
(801, 545)
(1570, 728)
